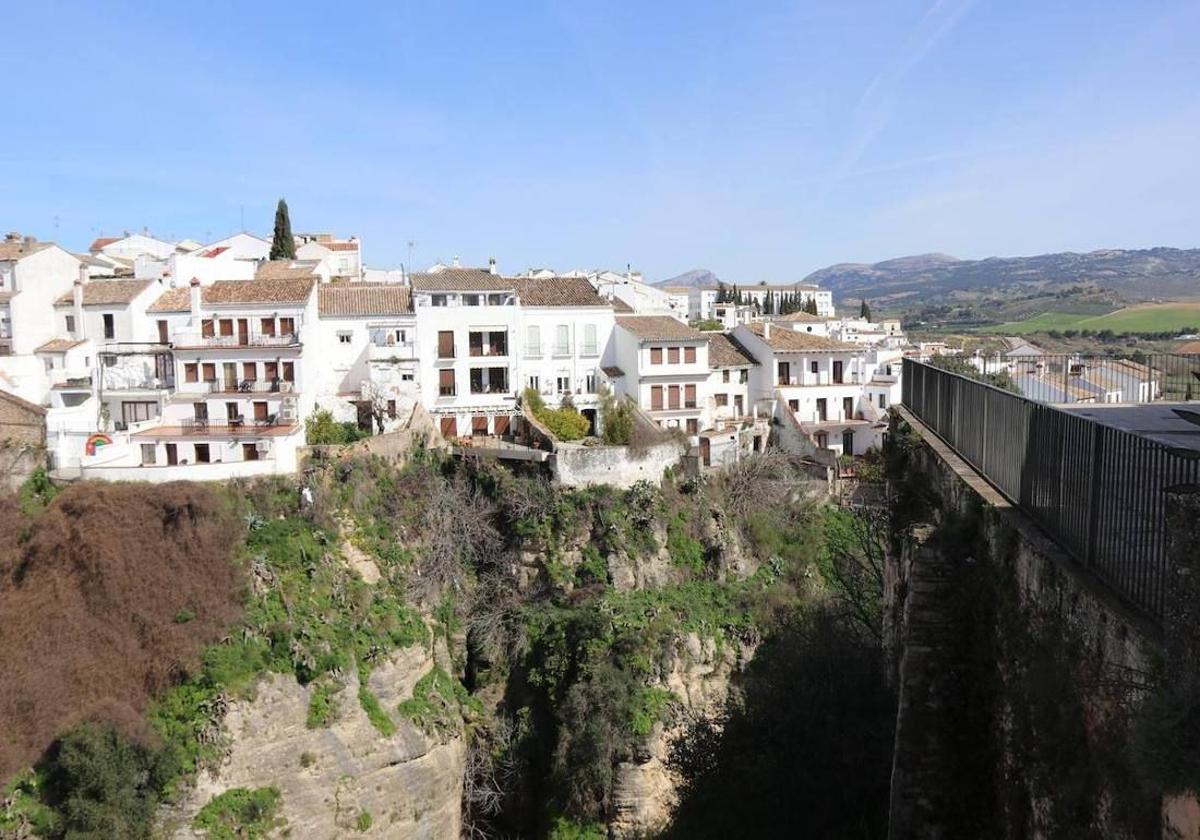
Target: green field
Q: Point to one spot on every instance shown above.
(1147, 317)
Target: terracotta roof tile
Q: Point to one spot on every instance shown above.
(621, 306)
(102, 242)
(659, 328)
(18, 249)
(341, 246)
(557, 291)
(785, 339)
(285, 269)
(58, 345)
(364, 299)
(725, 351)
(233, 292)
(107, 292)
(461, 280)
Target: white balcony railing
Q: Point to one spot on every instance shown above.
(248, 339)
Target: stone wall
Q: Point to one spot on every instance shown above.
(574, 465)
(1014, 665)
(22, 440)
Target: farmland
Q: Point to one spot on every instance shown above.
(1142, 318)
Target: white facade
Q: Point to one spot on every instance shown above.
(665, 370)
(340, 258)
(131, 246)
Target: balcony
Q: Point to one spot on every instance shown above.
(492, 343)
(534, 351)
(233, 426)
(250, 386)
(243, 339)
(391, 352)
(561, 351)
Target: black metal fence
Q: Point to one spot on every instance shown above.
(1096, 489)
(1076, 377)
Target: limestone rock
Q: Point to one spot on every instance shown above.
(410, 783)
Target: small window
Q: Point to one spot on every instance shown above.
(689, 355)
(201, 453)
(110, 330)
(883, 401)
(438, 300)
(149, 453)
(812, 366)
(191, 372)
(564, 384)
(406, 377)
(672, 355)
(391, 409)
(535, 382)
(108, 359)
(470, 300)
(591, 383)
(725, 375)
(71, 324)
(289, 371)
(722, 400)
(656, 355)
(345, 336)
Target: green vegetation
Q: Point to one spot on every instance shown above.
(616, 419)
(321, 429)
(239, 814)
(959, 365)
(565, 422)
(1140, 319)
(283, 244)
(322, 706)
(363, 821)
(565, 829)
(439, 702)
(37, 492)
(379, 717)
(709, 325)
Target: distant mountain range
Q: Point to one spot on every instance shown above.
(1137, 275)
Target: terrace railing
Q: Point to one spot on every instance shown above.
(1097, 490)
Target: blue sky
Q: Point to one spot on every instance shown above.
(761, 140)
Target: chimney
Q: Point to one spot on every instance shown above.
(767, 330)
(492, 266)
(455, 263)
(195, 303)
(77, 301)
(30, 241)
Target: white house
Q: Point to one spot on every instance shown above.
(827, 391)
(368, 352)
(640, 297)
(130, 246)
(342, 257)
(662, 363)
(32, 276)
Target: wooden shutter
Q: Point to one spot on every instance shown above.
(250, 371)
(689, 396)
(656, 402)
(446, 383)
(289, 371)
(446, 344)
(449, 427)
(656, 355)
(210, 372)
(689, 356)
(673, 396)
(501, 424)
(673, 355)
(191, 372)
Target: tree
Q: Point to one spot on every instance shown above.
(722, 292)
(769, 304)
(810, 305)
(283, 244)
(864, 311)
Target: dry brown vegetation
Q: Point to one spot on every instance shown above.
(106, 598)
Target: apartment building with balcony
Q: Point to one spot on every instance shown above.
(564, 336)
(242, 387)
(368, 341)
(467, 333)
(832, 392)
(32, 275)
(663, 364)
(735, 426)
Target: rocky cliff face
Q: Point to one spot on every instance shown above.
(646, 789)
(410, 783)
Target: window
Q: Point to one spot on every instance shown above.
(149, 454)
(201, 453)
(191, 372)
(535, 383)
(656, 397)
(162, 332)
(656, 355)
(785, 373)
(847, 408)
(745, 377)
(883, 400)
(693, 426)
(470, 300)
(837, 371)
(406, 377)
(822, 440)
(345, 336)
(49, 363)
(137, 412)
(813, 367)
(391, 409)
(888, 370)
(260, 412)
(722, 400)
(267, 326)
(495, 300)
(71, 324)
(673, 396)
(206, 328)
(533, 341)
(563, 383)
(249, 452)
(110, 329)
(672, 355)
(446, 344)
(562, 340)
(689, 355)
(210, 371)
(289, 371)
(225, 327)
(794, 405)
(689, 396)
(287, 326)
(822, 412)
(438, 300)
(445, 383)
(725, 375)
(250, 371)
(590, 346)
(106, 360)
(232, 412)
(590, 381)
(270, 371)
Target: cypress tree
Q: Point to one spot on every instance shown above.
(810, 305)
(864, 311)
(283, 244)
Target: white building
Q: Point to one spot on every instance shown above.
(32, 276)
(368, 352)
(131, 246)
(342, 258)
(662, 363)
(758, 294)
(830, 392)
(640, 297)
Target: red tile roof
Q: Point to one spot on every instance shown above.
(659, 328)
(100, 243)
(341, 246)
(225, 292)
(107, 292)
(364, 299)
(557, 291)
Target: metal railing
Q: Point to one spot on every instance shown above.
(1097, 490)
(1083, 378)
(246, 339)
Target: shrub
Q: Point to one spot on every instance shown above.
(616, 419)
(321, 429)
(566, 423)
(322, 707)
(37, 492)
(375, 712)
(709, 324)
(363, 821)
(239, 814)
